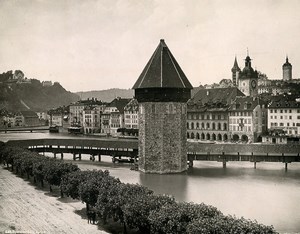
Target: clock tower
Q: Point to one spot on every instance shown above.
(248, 79)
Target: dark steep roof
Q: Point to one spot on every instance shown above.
(245, 103)
(235, 66)
(119, 103)
(219, 95)
(287, 64)
(162, 71)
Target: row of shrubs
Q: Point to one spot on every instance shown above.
(132, 205)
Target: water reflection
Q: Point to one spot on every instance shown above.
(174, 184)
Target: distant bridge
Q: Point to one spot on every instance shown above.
(118, 148)
(108, 147)
(25, 129)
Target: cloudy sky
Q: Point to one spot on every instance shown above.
(101, 44)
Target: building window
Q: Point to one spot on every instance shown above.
(290, 117)
(225, 126)
(207, 126)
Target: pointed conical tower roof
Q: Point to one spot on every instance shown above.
(162, 80)
(162, 71)
(235, 67)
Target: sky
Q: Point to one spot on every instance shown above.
(103, 44)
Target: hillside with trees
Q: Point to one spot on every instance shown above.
(19, 93)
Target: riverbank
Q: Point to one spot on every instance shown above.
(29, 209)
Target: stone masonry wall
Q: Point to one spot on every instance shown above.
(162, 137)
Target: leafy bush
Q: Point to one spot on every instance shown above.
(137, 210)
(227, 224)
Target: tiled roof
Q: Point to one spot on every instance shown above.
(119, 103)
(219, 95)
(28, 114)
(284, 104)
(133, 105)
(245, 103)
(162, 71)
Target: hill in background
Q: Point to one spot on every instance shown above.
(109, 94)
(32, 95)
(106, 95)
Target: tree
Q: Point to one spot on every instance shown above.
(227, 224)
(138, 208)
(174, 218)
(70, 183)
(54, 171)
(112, 202)
(89, 189)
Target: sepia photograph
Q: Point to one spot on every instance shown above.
(150, 116)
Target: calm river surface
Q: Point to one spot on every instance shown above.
(268, 194)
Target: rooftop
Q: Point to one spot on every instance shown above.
(162, 71)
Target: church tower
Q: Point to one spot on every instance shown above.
(235, 73)
(248, 80)
(162, 91)
(287, 70)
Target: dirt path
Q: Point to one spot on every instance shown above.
(30, 210)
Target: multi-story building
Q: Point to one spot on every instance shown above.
(113, 116)
(247, 119)
(30, 118)
(207, 113)
(105, 122)
(131, 111)
(284, 117)
(77, 108)
(59, 118)
(91, 120)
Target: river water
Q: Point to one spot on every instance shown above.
(268, 193)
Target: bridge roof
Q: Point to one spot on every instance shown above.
(101, 143)
(133, 144)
